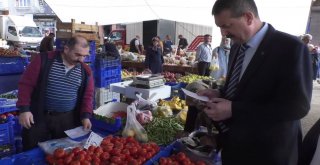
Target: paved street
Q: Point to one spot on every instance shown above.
(314, 113)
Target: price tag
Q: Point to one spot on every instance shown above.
(93, 140)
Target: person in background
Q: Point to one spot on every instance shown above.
(111, 49)
(221, 53)
(154, 58)
(268, 89)
(160, 44)
(46, 43)
(135, 45)
(183, 43)
(56, 94)
(167, 43)
(204, 56)
(306, 38)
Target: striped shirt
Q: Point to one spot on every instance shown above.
(63, 86)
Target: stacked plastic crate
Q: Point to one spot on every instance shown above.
(107, 70)
(12, 65)
(7, 121)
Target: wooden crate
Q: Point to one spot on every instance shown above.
(67, 30)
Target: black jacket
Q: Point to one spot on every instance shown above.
(272, 96)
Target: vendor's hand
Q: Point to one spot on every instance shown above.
(86, 123)
(218, 109)
(210, 93)
(26, 119)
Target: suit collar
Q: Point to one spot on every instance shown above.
(255, 62)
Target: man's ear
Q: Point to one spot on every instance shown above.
(249, 16)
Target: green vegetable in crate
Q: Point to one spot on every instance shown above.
(163, 130)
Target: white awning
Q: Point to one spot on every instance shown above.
(290, 16)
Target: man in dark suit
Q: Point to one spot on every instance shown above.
(259, 109)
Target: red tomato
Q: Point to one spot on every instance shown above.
(75, 162)
(107, 148)
(148, 155)
(68, 159)
(92, 148)
(59, 153)
(115, 159)
(181, 156)
(118, 145)
(104, 156)
(142, 152)
(50, 159)
(85, 163)
(80, 157)
(88, 158)
(98, 149)
(115, 152)
(76, 150)
(96, 159)
(133, 150)
(125, 152)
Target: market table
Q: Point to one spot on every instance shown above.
(139, 66)
(179, 69)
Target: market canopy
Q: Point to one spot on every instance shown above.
(287, 15)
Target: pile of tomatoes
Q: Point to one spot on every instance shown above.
(113, 150)
(180, 159)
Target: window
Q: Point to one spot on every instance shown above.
(12, 30)
(23, 3)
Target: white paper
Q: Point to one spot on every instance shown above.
(76, 132)
(194, 95)
(93, 140)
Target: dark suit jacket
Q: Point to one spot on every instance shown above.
(272, 96)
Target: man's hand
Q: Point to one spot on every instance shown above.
(26, 119)
(218, 109)
(210, 93)
(86, 123)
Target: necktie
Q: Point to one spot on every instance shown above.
(232, 86)
(236, 72)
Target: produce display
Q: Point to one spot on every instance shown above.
(180, 159)
(112, 150)
(163, 130)
(193, 77)
(175, 103)
(185, 59)
(127, 74)
(8, 116)
(171, 77)
(8, 52)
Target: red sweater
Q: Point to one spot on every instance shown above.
(32, 86)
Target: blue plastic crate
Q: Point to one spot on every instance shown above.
(17, 128)
(8, 152)
(106, 62)
(12, 65)
(102, 126)
(101, 82)
(7, 105)
(6, 133)
(108, 72)
(32, 157)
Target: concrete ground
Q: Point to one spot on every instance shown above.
(314, 113)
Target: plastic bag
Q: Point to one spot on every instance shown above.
(66, 143)
(133, 128)
(214, 66)
(143, 104)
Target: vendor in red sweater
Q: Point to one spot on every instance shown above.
(56, 94)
